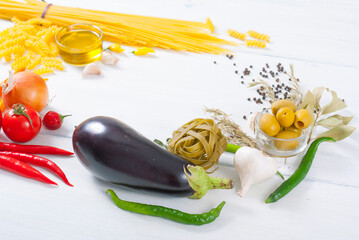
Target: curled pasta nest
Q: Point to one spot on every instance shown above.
(199, 141)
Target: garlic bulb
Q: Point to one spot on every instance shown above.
(92, 68)
(253, 167)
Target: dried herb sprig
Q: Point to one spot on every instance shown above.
(266, 88)
(296, 92)
(231, 130)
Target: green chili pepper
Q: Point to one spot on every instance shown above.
(169, 213)
(300, 173)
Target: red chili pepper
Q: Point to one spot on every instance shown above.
(23, 169)
(38, 161)
(36, 149)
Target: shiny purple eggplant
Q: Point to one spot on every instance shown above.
(116, 153)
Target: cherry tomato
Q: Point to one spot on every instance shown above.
(21, 123)
(52, 120)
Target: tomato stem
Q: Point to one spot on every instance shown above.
(19, 109)
(63, 116)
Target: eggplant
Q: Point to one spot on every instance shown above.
(116, 153)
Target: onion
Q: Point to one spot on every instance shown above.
(26, 88)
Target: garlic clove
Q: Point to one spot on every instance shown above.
(92, 68)
(244, 188)
(108, 58)
(253, 167)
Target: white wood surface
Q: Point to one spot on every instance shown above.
(157, 94)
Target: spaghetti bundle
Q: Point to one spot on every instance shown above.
(127, 29)
(199, 141)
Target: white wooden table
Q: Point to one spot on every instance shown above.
(155, 95)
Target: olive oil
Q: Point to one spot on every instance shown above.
(80, 46)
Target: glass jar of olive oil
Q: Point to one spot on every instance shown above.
(80, 44)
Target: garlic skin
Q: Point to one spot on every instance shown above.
(108, 58)
(10, 84)
(253, 167)
(252, 121)
(92, 68)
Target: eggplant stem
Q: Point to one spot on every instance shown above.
(200, 182)
(221, 183)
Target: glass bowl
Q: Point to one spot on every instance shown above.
(277, 146)
(80, 44)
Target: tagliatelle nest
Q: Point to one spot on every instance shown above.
(199, 141)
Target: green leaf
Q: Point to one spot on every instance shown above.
(335, 105)
(308, 100)
(159, 142)
(338, 133)
(317, 94)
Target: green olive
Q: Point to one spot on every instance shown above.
(281, 104)
(303, 119)
(269, 124)
(293, 129)
(285, 116)
(286, 145)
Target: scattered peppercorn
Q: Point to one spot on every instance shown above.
(230, 56)
(280, 90)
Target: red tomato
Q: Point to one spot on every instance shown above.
(21, 123)
(52, 120)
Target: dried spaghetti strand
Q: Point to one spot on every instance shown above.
(210, 25)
